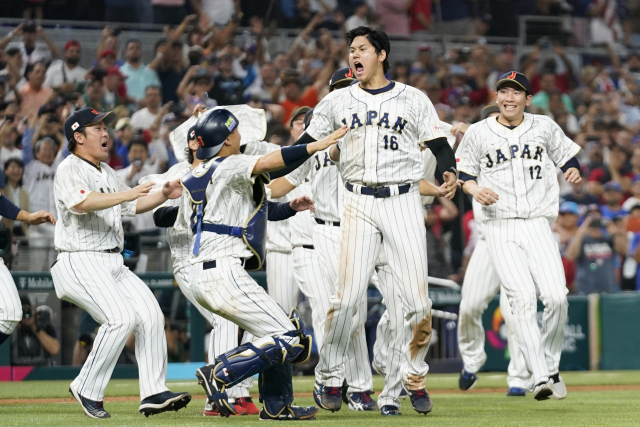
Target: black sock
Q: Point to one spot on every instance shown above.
(555, 377)
(3, 337)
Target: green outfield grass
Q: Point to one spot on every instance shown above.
(605, 406)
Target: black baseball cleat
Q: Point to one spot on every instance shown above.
(331, 398)
(390, 410)
(291, 413)
(362, 402)
(162, 402)
(91, 408)
(215, 391)
(420, 401)
(467, 380)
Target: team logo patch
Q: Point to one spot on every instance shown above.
(94, 111)
(81, 191)
(192, 134)
(200, 141)
(75, 126)
(231, 124)
(512, 75)
(350, 73)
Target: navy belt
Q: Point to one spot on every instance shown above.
(212, 264)
(378, 192)
(333, 223)
(308, 246)
(115, 250)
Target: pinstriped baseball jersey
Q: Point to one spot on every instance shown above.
(325, 184)
(514, 164)
(230, 202)
(38, 181)
(179, 241)
(278, 232)
(301, 224)
(386, 128)
(76, 231)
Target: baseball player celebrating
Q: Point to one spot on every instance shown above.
(504, 163)
(480, 285)
(381, 166)
(90, 273)
(224, 335)
(10, 307)
(226, 212)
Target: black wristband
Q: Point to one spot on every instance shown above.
(294, 154)
(572, 163)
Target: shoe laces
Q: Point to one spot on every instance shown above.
(334, 391)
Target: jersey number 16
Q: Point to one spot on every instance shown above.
(390, 142)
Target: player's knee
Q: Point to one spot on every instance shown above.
(556, 303)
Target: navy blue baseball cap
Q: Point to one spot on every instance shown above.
(515, 77)
(211, 130)
(307, 118)
(344, 75)
(86, 117)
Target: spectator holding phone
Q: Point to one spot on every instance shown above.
(34, 342)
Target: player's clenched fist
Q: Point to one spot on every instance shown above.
(572, 175)
(39, 217)
(451, 184)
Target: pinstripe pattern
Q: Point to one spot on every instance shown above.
(10, 307)
(119, 301)
(528, 245)
(280, 282)
(480, 285)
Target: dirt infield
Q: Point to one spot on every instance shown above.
(195, 397)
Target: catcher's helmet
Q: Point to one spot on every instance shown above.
(212, 130)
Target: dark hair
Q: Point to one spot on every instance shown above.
(190, 157)
(161, 41)
(138, 141)
(159, 88)
(17, 162)
(73, 142)
(378, 39)
(126, 45)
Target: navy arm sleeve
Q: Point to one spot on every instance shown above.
(305, 138)
(466, 177)
(8, 209)
(165, 217)
(279, 211)
(572, 163)
(443, 153)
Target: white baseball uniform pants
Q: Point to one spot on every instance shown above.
(527, 260)
(480, 285)
(121, 303)
(230, 292)
(281, 285)
(224, 335)
(10, 306)
(368, 224)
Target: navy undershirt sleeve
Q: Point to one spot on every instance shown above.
(279, 211)
(165, 217)
(8, 209)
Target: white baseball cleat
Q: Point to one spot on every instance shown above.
(543, 390)
(558, 387)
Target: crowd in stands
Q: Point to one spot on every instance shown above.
(197, 61)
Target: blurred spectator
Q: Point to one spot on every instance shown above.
(534, 70)
(227, 88)
(605, 22)
(34, 94)
(302, 16)
(359, 17)
(264, 87)
(558, 111)
(137, 75)
(34, 342)
(32, 52)
(400, 72)
(194, 85)
(437, 214)
(112, 83)
(13, 171)
(456, 17)
(9, 140)
(171, 11)
(612, 197)
(547, 87)
(94, 96)
(565, 229)
(394, 15)
(114, 160)
(459, 87)
(124, 135)
(143, 118)
(594, 253)
(219, 12)
(420, 16)
(64, 75)
(616, 171)
(581, 197)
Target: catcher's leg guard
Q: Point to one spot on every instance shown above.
(276, 388)
(254, 357)
(305, 340)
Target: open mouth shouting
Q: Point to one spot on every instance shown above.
(359, 68)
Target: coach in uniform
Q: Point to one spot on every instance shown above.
(90, 272)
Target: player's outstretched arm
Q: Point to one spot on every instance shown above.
(295, 154)
(170, 190)
(99, 201)
(280, 187)
(484, 196)
(429, 189)
(36, 218)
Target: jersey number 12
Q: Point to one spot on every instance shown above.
(537, 170)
